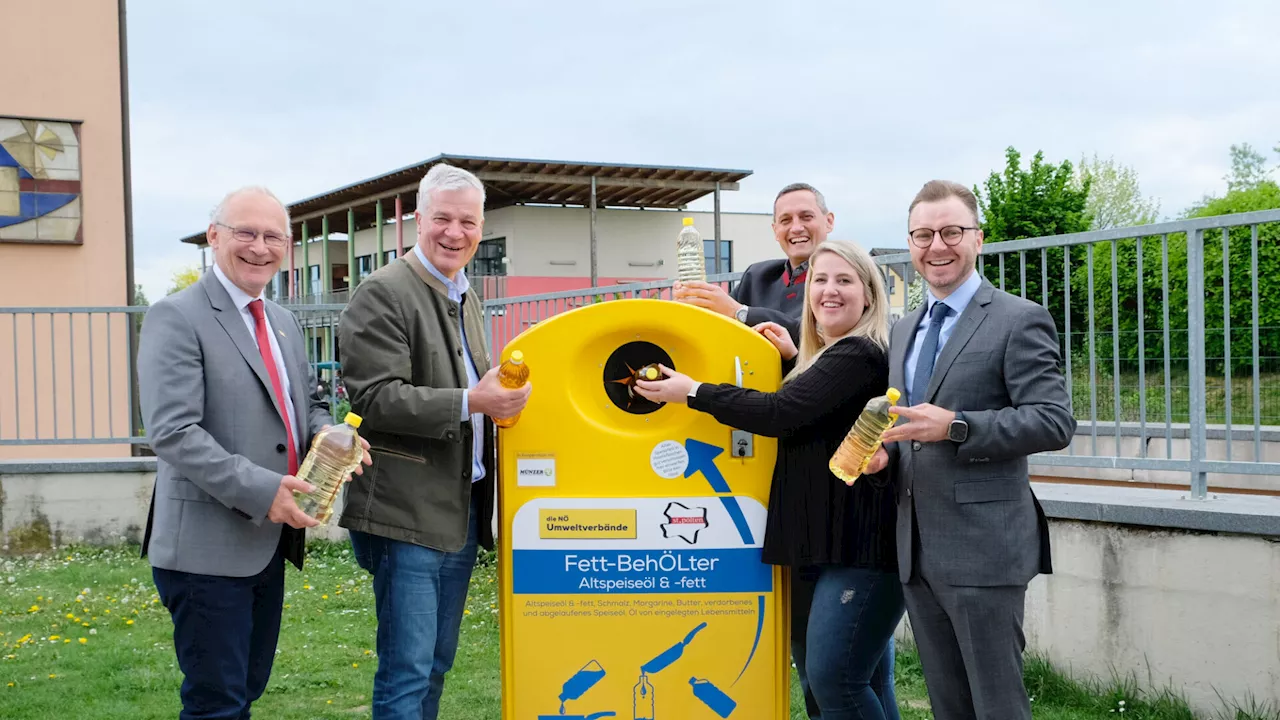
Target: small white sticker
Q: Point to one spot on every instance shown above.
(536, 471)
(669, 459)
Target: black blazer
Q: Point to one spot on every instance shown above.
(814, 518)
(764, 290)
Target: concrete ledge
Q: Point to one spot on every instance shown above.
(47, 467)
(1239, 514)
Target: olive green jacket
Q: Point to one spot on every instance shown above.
(403, 368)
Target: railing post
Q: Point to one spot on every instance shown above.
(1196, 361)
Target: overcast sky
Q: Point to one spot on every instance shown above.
(866, 101)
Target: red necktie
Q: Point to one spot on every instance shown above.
(268, 357)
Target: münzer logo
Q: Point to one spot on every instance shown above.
(536, 471)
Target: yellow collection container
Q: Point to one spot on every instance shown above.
(630, 533)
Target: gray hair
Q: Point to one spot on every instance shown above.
(219, 213)
(447, 177)
(797, 187)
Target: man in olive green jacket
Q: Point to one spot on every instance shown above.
(417, 370)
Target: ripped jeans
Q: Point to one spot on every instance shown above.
(849, 658)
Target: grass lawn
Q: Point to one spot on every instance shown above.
(82, 634)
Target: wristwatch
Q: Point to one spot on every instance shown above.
(741, 314)
(959, 430)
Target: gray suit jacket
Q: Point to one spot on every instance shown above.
(966, 513)
(212, 420)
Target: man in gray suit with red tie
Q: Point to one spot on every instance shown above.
(980, 368)
(230, 407)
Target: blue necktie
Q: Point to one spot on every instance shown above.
(928, 353)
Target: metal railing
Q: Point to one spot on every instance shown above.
(68, 375)
(1150, 313)
(1169, 362)
(1170, 366)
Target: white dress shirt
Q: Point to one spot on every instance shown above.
(242, 300)
(957, 301)
(457, 289)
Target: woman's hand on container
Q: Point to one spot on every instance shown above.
(781, 339)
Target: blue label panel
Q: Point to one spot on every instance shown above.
(567, 572)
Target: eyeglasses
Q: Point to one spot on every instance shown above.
(951, 234)
(247, 236)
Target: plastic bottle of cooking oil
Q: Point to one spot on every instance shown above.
(335, 453)
(513, 374)
(690, 256)
(649, 372)
(855, 452)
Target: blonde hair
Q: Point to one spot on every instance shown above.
(874, 323)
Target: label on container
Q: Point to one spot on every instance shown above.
(587, 524)
(536, 471)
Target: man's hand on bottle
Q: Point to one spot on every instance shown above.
(491, 398)
(706, 295)
(284, 510)
(924, 422)
(879, 461)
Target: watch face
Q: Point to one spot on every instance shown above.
(959, 431)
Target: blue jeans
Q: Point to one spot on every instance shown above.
(420, 594)
(803, 581)
(850, 643)
(224, 633)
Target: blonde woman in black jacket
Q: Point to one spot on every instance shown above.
(816, 522)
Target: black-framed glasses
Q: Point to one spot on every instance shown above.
(951, 235)
(245, 235)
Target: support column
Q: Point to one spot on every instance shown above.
(353, 276)
(594, 268)
(399, 228)
(377, 220)
(326, 269)
(292, 290)
(716, 239)
(305, 275)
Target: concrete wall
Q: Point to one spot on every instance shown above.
(62, 62)
(46, 504)
(1158, 589)
(1198, 612)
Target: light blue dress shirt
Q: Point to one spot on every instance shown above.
(457, 290)
(957, 301)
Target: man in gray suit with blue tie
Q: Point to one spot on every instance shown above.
(981, 371)
(230, 407)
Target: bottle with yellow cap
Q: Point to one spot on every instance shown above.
(335, 453)
(690, 255)
(858, 447)
(649, 372)
(513, 374)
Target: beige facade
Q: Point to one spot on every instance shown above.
(554, 242)
(63, 111)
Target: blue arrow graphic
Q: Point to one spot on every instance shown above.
(756, 643)
(702, 459)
